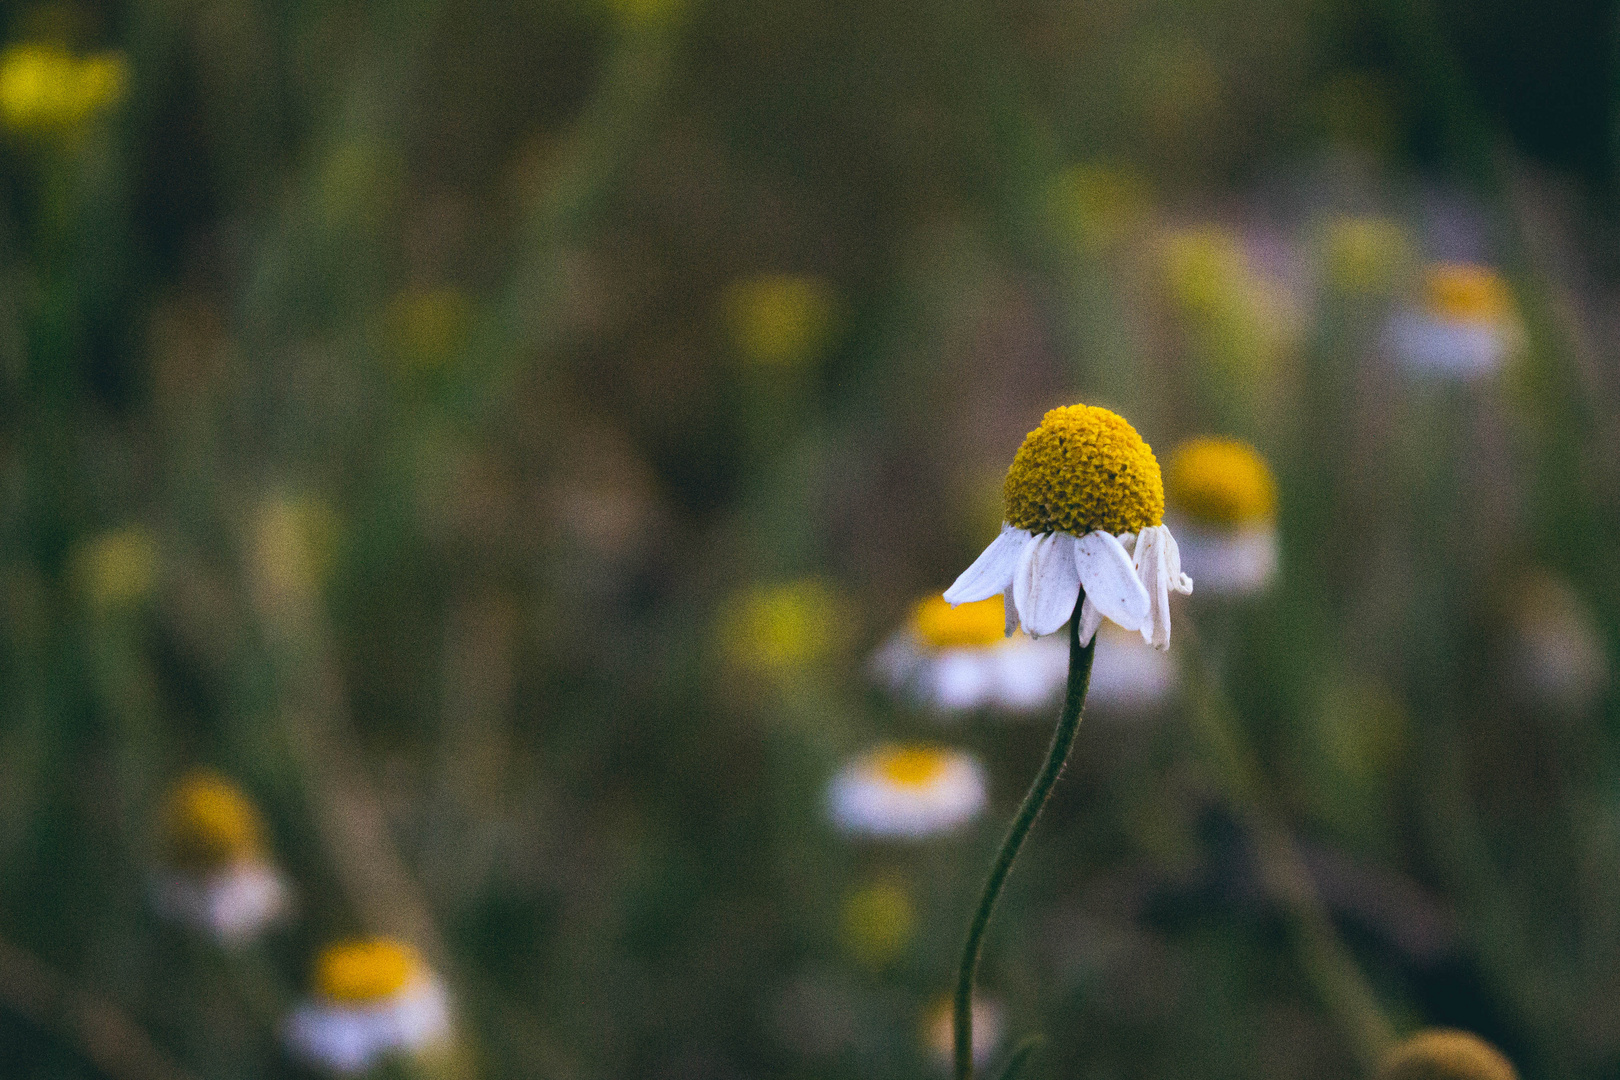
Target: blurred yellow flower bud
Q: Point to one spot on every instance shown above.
(44, 89)
(878, 920)
(777, 628)
(428, 326)
(1098, 205)
(1244, 321)
(1444, 1054)
(294, 546)
(365, 970)
(208, 823)
(117, 569)
(1364, 256)
(780, 319)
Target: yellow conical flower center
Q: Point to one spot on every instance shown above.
(1221, 482)
(1084, 469)
(911, 766)
(210, 824)
(365, 970)
(983, 622)
(1467, 293)
(1441, 1054)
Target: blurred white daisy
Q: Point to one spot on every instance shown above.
(374, 999)
(216, 876)
(939, 1032)
(1127, 674)
(960, 658)
(1224, 501)
(1465, 327)
(907, 791)
(1083, 493)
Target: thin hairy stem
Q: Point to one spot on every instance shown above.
(1068, 723)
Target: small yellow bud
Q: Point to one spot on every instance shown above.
(1444, 1054)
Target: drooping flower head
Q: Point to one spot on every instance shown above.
(216, 874)
(1082, 486)
(907, 791)
(1224, 498)
(1445, 1054)
(374, 997)
(959, 658)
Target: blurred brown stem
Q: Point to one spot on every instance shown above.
(109, 1039)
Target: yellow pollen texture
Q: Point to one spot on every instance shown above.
(1082, 470)
(1441, 1054)
(210, 823)
(911, 766)
(365, 970)
(983, 622)
(1221, 482)
(1467, 293)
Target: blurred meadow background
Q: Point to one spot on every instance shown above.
(471, 454)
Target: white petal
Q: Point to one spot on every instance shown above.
(1090, 619)
(1153, 550)
(1110, 581)
(1046, 584)
(1179, 582)
(992, 572)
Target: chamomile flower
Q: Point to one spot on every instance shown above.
(960, 658)
(907, 792)
(216, 876)
(1465, 328)
(374, 998)
(1128, 674)
(1224, 500)
(939, 1031)
(1083, 493)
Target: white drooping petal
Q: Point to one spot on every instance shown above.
(1111, 583)
(1046, 584)
(1090, 620)
(1179, 582)
(1158, 563)
(992, 572)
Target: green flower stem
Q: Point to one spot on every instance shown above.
(1333, 972)
(1068, 723)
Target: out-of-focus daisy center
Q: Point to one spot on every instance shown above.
(982, 622)
(363, 971)
(1221, 482)
(1464, 292)
(912, 766)
(1082, 470)
(210, 823)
